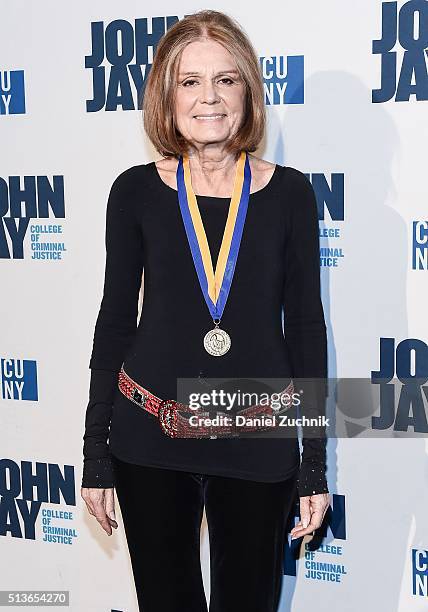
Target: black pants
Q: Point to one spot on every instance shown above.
(162, 511)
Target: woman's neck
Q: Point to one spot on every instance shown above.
(212, 168)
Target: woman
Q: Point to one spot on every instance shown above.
(204, 112)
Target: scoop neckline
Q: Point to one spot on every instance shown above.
(169, 188)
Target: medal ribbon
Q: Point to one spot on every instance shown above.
(215, 285)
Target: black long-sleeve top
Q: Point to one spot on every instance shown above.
(277, 270)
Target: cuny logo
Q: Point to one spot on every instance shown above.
(19, 379)
(331, 570)
(20, 484)
(12, 92)
(121, 59)
(420, 245)
(403, 73)
(420, 572)
(330, 195)
(409, 361)
(283, 79)
(25, 198)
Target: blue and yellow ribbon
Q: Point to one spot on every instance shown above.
(215, 285)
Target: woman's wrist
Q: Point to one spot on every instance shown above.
(98, 473)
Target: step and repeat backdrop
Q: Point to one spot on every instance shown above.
(346, 89)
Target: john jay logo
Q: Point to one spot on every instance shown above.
(330, 196)
(409, 361)
(420, 572)
(12, 92)
(19, 379)
(24, 488)
(331, 567)
(23, 199)
(283, 79)
(120, 61)
(420, 245)
(403, 73)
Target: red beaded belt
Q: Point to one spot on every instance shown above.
(176, 425)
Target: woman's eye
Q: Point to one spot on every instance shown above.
(224, 79)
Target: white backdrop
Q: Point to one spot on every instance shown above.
(334, 132)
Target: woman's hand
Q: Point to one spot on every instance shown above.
(100, 503)
(312, 511)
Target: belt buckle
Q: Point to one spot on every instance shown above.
(167, 415)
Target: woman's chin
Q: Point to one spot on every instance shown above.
(210, 135)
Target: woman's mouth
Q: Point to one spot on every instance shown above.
(209, 117)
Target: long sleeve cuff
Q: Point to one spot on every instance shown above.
(98, 467)
(311, 479)
(98, 473)
(312, 474)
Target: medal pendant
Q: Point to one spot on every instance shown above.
(217, 342)
(215, 284)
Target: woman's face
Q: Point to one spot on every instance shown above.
(210, 94)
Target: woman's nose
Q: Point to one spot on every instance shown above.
(208, 92)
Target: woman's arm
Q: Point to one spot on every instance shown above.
(116, 323)
(305, 330)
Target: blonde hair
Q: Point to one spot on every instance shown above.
(158, 103)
